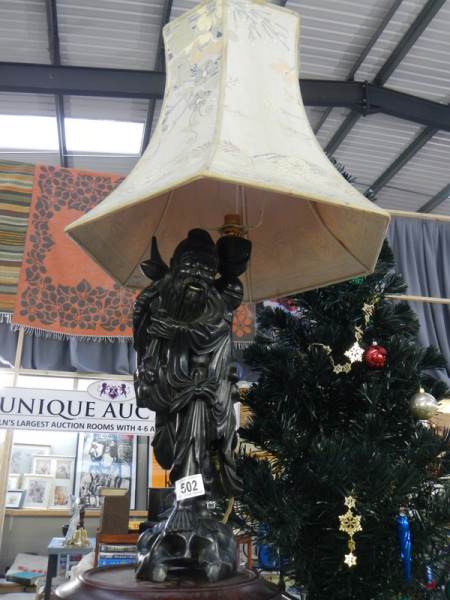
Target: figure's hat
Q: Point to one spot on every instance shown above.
(233, 137)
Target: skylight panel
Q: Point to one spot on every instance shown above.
(110, 137)
(19, 132)
(23, 133)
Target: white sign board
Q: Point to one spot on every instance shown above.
(111, 409)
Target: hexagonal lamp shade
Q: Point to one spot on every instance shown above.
(233, 137)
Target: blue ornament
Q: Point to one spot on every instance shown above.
(404, 539)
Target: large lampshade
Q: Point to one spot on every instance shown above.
(233, 137)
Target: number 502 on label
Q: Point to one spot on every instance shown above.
(189, 487)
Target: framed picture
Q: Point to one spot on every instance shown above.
(63, 467)
(14, 482)
(60, 467)
(61, 492)
(22, 457)
(37, 490)
(14, 498)
(105, 460)
(41, 465)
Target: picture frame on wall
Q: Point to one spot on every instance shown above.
(105, 460)
(38, 489)
(22, 457)
(14, 498)
(61, 494)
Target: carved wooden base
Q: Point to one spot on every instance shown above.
(119, 583)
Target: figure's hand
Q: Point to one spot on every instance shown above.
(234, 254)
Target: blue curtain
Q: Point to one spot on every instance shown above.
(44, 353)
(8, 345)
(75, 355)
(422, 253)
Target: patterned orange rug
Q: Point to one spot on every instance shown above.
(61, 290)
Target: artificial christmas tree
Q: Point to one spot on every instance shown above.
(345, 464)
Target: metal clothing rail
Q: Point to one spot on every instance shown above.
(416, 215)
(411, 298)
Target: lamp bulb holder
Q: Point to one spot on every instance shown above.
(232, 226)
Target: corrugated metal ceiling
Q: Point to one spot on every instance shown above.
(425, 70)
(120, 34)
(333, 34)
(23, 31)
(103, 164)
(373, 144)
(429, 171)
(116, 109)
(387, 42)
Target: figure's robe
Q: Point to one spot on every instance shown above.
(184, 376)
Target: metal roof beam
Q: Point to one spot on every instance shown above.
(80, 81)
(323, 118)
(363, 55)
(419, 25)
(401, 160)
(436, 200)
(342, 132)
(123, 83)
(375, 37)
(398, 54)
(53, 43)
(159, 66)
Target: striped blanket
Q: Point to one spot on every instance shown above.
(16, 186)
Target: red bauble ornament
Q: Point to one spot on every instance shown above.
(375, 357)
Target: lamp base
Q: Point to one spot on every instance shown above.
(120, 583)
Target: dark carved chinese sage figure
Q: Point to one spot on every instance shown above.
(182, 335)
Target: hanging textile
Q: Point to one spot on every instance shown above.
(62, 292)
(16, 186)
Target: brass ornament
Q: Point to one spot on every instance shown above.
(79, 538)
(423, 405)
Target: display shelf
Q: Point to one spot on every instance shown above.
(29, 512)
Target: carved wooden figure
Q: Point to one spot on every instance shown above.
(182, 335)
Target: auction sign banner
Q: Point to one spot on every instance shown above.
(107, 406)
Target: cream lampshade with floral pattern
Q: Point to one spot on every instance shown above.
(233, 137)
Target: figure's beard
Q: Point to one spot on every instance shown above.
(187, 298)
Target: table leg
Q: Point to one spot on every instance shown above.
(51, 572)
